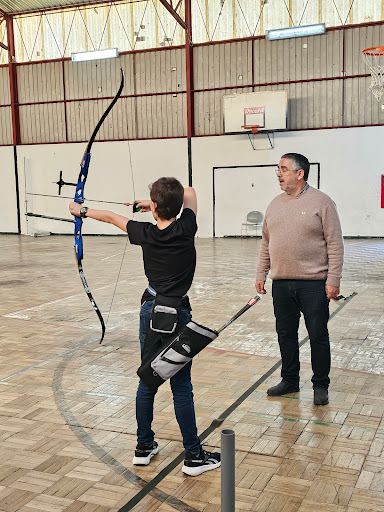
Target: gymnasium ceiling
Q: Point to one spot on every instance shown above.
(52, 29)
(24, 6)
(290, 6)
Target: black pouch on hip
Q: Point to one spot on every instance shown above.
(165, 314)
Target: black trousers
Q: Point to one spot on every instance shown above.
(290, 298)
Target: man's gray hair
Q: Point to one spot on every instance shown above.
(299, 162)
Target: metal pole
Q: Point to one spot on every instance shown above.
(227, 471)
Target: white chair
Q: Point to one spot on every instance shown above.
(254, 221)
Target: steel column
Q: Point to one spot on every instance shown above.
(189, 67)
(13, 81)
(189, 83)
(14, 108)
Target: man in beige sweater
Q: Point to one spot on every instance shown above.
(302, 246)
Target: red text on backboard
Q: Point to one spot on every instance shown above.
(254, 110)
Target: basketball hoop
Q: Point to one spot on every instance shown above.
(374, 59)
(253, 127)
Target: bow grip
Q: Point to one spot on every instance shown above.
(78, 239)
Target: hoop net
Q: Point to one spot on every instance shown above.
(253, 127)
(374, 59)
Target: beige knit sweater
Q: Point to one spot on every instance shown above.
(302, 239)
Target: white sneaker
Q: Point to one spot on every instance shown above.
(144, 454)
(205, 461)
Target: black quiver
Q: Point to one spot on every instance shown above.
(175, 354)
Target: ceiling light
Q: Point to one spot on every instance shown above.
(110, 53)
(302, 31)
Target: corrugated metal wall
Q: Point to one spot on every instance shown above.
(361, 107)
(151, 116)
(324, 76)
(311, 104)
(222, 65)
(41, 122)
(310, 69)
(63, 101)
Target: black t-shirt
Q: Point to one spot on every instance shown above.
(169, 254)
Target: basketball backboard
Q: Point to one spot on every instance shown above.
(267, 109)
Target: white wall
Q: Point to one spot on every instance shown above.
(250, 186)
(119, 171)
(351, 166)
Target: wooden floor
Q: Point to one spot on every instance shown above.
(67, 407)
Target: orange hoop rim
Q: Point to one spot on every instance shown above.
(375, 50)
(253, 127)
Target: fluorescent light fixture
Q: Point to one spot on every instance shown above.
(302, 31)
(110, 53)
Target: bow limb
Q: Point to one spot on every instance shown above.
(79, 198)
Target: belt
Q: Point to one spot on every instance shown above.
(154, 293)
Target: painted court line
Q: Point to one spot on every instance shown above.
(49, 359)
(20, 314)
(215, 423)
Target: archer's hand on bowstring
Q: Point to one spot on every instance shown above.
(141, 205)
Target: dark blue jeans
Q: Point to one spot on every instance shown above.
(290, 298)
(181, 386)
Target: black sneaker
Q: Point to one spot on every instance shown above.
(144, 454)
(320, 396)
(283, 389)
(205, 461)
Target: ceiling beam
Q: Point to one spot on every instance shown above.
(75, 5)
(3, 17)
(172, 11)
(10, 39)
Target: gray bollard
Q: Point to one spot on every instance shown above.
(227, 471)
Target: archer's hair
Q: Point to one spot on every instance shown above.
(168, 194)
(299, 162)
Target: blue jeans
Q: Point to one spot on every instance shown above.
(181, 386)
(290, 298)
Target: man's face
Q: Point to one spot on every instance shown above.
(289, 180)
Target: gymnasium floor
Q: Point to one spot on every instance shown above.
(67, 420)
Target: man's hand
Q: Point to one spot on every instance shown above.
(75, 208)
(332, 291)
(260, 287)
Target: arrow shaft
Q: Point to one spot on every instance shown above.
(67, 197)
(30, 214)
